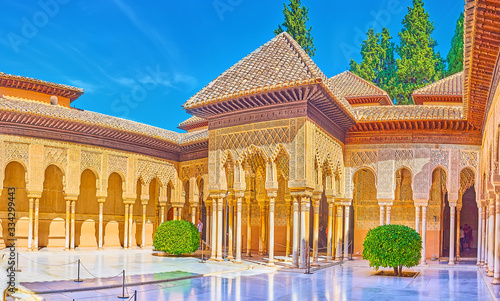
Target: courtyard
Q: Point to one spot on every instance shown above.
(55, 271)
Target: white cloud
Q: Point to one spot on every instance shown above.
(88, 87)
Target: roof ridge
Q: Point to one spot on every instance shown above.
(303, 56)
(438, 82)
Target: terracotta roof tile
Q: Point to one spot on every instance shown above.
(4, 75)
(87, 117)
(407, 112)
(448, 88)
(191, 120)
(194, 136)
(353, 87)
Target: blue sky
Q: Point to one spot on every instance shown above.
(142, 60)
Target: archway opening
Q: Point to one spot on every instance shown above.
(467, 216)
(86, 206)
(114, 211)
(52, 203)
(403, 208)
(366, 210)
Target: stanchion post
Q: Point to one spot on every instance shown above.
(308, 260)
(123, 296)
(202, 248)
(135, 295)
(78, 279)
(17, 263)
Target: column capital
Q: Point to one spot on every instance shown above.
(343, 201)
(239, 193)
(421, 202)
(272, 192)
(128, 201)
(385, 202)
(301, 192)
(453, 203)
(34, 194)
(101, 199)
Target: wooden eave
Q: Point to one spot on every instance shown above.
(41, 87)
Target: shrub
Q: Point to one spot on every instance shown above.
(176, 237)
(392, 246)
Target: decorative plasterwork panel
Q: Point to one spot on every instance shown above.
(328, 149)
(117, 164)
(440, 157)
(17, 151)
(468, 158)
(403, 158)
(55, 155)
(147, 170)
(90, 159)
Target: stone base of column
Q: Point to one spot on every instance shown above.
(237, 261)
(489, 274)
(270, 264)
(229, 257)
(99, 249)
(451, 262)
(496, 281)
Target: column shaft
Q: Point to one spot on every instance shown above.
(316, 232)
(329, 246)
(249, 229)
(339, 227)
(271, 231)
(295, 241)
(288, 229)
(220, 229)
(73, 205)
(381, 215)
(125, 228)
(346, 233)
(238, 230)
(491, 239)
(480, 236)
(452, 235)
(193, 215)
(388, 215)
(143, 234)
(424, 233)
(496, 269)
(417, 218)
(230, 229)
(36, 224)
(214, 229)
(303, 217)
(130, 224)
(30, 226)
(68, 217)
(101, 217)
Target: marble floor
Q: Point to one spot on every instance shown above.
(351, 281)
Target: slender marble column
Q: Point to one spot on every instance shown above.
(316, 231)
(329, 234)
(125, 228)
(193, 214)
(496, 270)
(101, 217)
(238, 229)
(303, 214)
(143, 234)
(480, 236)
(230, 229)
(346, 233)
(271, 232)
(491, 239)
(262, 233)
(214, 230)
(296, 237)
(388, 215)
(249, 228)
(417, 218)
(36, 225)
(338, 247)
(73, 205)
(457, 228)
(381, 215)
(208, 221)
(220, 231)
(162, 214)
(424, 233)
(486, 235)
(30, 226)
(68, 217)
(130, 224)
(452, 234)
(288, 229)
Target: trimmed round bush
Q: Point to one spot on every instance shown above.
(176, 237)
(395, 246)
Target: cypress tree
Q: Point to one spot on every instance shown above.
(418, 64)
(455, 57)
(295, 24)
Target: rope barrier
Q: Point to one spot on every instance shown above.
(45, 264)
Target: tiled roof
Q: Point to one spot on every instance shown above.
(37, 81)
(87, 117)
(191, 121)
(194, 136)
(352, 86)
(452, 85)
(407, 112)
(279, 61)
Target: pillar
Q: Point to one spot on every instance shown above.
(130, 223)
(214, 230)
(162, 214)
(249, 228)
(296, 237)
(479, 235)
(238, 229)
(457, 228)
(262, 232)
(303, 217)
(338, 228)
(491, 238)
(220, 208)
(193, 214)
(381, 215)
(143, 234)
(388, 215)
(417, 218)
(101, 217)
(230, 230)
(72, 244)
(271, 232)
(30, 226)
(329, 233)
(36, 224)
(346, 232)
(452, 234)
(486, 235)
(316, 231)
(496, 263)
(208, 222)
(288, 228)
(68, 217)
(424, 232)
(125, 228)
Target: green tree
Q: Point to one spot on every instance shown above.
(378, 64)
(455, 57)
(418, 64)
(395, 246)
(295, 24)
